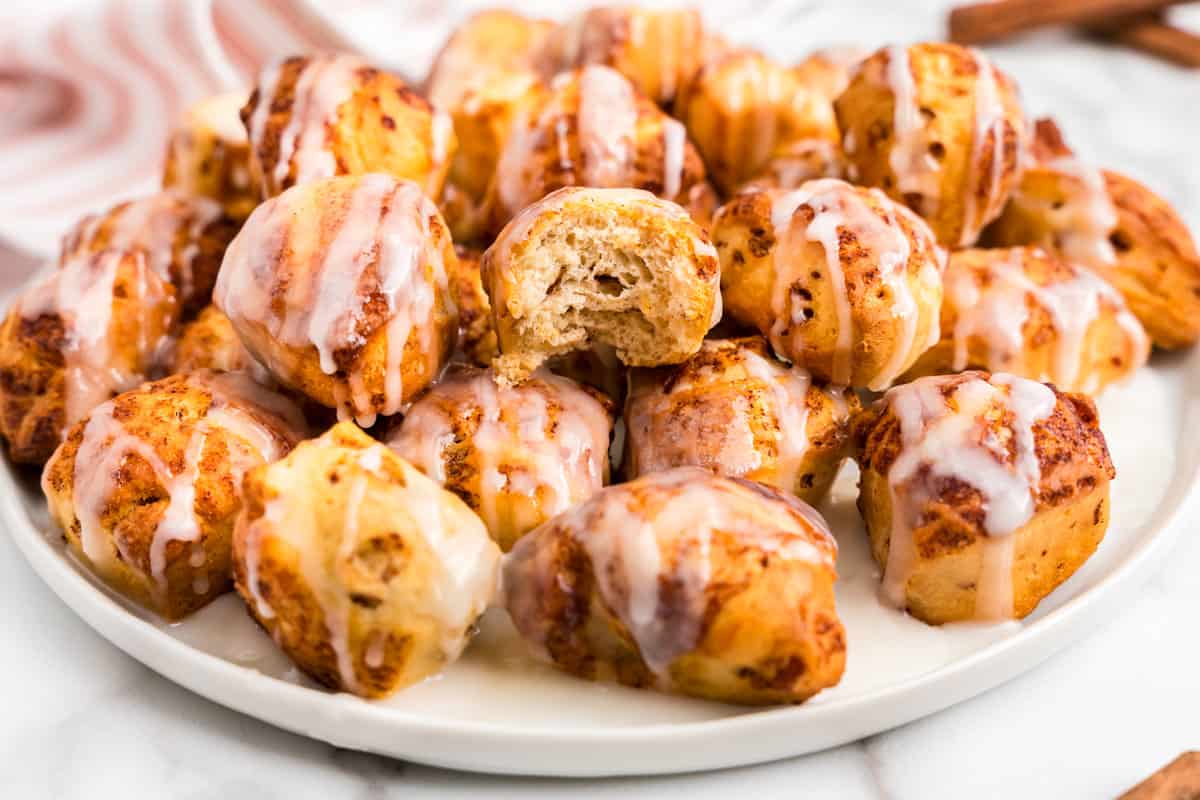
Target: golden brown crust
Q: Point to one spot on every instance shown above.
(742, 108)
(591, 127)
(335, 345)
(733, 409)
(340, 554)
(53, 367)
(210, 342)
(1024, 311)
(379, 125)
(476, 334)
(1070, 506)
(208, 156)
(183, 238)
(140, 552)
(780, 282)
(761, 628)
(516, 455)
(488, 43)
(959, 162)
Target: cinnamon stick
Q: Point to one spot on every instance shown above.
(1179, 779)
(989, 21)
(1150, 34)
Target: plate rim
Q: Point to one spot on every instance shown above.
(480, 746)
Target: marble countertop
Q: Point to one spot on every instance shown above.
(82, 720)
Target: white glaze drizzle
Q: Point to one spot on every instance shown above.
(998, 312)
(517, 450)
(239, 406)
(916, 171)
(674, 142)
(1084, 221)
(947, 438)
(989, 126)
(677, 515)
(324, 308)
(838, 206)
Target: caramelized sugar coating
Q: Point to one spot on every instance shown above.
(147, 488)
(366, 573)
(1029, 313)
(183, 238)
(981, 493)
(589, 267)
(591, 127)
(657, 50)
(684, 581)
(314, 117)
(476, 333)
(208, 155)
(79, 334)
(742, 108)
(843, 281)
(517, 455)
(734, 409)
(938, 127)
(210, 342)
(1114, 225)
(340, 289)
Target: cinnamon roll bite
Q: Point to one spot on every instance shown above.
(742, 109)
(314, 117)
(208, 155)
(147, 487)
(365, 572)
(210, 342)
(843, 281)
(1114, 225)
(1026, 312)
(476, 333)
(657, 50)
(981, 493)
(684, 581)
(734, 409)
(601, 267)
(339, 288)
(591, 127)
(182, 238)
(517, 455)
(97, 325)
(937, 127)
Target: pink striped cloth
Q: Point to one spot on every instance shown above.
(87, 100)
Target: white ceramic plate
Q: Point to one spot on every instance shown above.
(497, 711)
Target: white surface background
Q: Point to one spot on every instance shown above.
(82, 720)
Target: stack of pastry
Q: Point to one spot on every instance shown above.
(601, 310)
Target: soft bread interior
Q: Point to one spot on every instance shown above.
(603, 275)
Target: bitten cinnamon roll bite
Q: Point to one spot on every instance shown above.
(339, 288)
(1024, 311)
(613, 267)
(657, 50)
(843, 281)
(517, 455)
(366, 572)
(684, 581)
(742, 108)
(734, 409)
(981, 493)
(314, 117)
(1114, 225)
(96, 326)
(147, 487)
(591, 127)
(938, 127)
(182, 237)
(208, 155)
